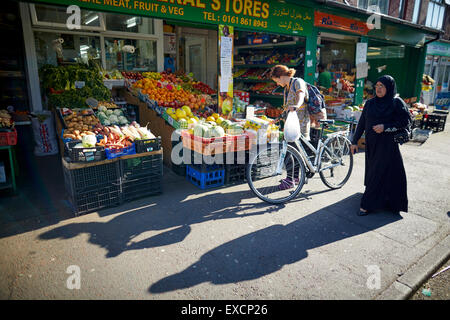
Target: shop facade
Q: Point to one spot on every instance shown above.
(437, 66)
(187, 65)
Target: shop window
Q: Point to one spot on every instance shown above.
(387, 52)
(56, 16)
(383, 5)
(118, 56)
(74, 48)
(416, 11)
(435, 14)
(126, 23)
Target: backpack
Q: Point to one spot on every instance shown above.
(316, 101)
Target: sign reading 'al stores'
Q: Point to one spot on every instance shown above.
(263, 16)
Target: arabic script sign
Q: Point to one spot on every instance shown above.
(325, 20)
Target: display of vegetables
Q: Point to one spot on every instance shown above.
(79, 123)
(111, 116)
(115, 137)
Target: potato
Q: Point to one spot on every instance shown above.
(69, 136)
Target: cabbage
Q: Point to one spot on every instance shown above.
(109, 112)
(89, 141)
(113, 119)
(102, 109)
(123, 120)
(101, 115)
(200, 129)
(215, 132)
(106, 122)
(118, 112)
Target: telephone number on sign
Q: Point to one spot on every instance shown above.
(244, 21)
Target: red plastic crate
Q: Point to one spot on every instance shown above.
(8, 138)
(211, 146)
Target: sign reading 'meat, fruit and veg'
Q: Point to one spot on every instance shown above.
(263, 16)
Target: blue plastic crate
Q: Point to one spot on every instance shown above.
(115, 153)
(205, 180)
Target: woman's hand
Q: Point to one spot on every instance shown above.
(379, 128)
(353, 148)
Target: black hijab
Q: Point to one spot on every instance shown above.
(385, 106)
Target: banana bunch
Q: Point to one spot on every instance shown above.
(5, 119)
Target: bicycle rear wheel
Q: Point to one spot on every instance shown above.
(336, 162)
(267, 184)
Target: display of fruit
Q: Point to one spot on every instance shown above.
(5, 119)
(132, 75)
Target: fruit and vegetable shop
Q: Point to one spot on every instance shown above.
(123, 90)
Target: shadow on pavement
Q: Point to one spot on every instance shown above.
(117, 234)
(265, 251)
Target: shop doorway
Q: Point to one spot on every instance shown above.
(195, 48)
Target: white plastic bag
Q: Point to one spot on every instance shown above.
(292, 127)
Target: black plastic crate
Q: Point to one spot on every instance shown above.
(141, 187)
(416, 123)
(83, 154)
(141, 166)
(148, 145)
(434, 122)
(179, 169)
(89, 178)
(102, 197)
(235, 173)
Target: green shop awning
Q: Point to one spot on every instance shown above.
(270, 16)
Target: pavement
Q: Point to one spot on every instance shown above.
(224, 243)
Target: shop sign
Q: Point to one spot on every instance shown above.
(438, 49)
(326, 20)
(262, 16)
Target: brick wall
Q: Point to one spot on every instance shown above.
(394, 8)
(423, 12)
(409, 10)
(446, 36)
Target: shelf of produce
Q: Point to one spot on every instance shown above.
(291, 65)
(253, 80)
(269, 45)
(265, 96)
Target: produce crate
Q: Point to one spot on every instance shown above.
(148, 145)
(179, 169)
(102, 197)
(211, 178)
(139, 167)
(116, 153)
(434, 122)
(416, 123)
(142, 187)
(92, 187)
(235, 173)
(8, 138)
(83, 154)
(212, 146)
(90, 177)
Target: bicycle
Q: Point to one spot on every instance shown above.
(269, 164)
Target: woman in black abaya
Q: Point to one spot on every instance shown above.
(384, 176)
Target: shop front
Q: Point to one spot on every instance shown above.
(437, 67)
(174, 80)
(158, 70)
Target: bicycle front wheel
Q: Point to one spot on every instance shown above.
(270, 186)
(336, 162)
